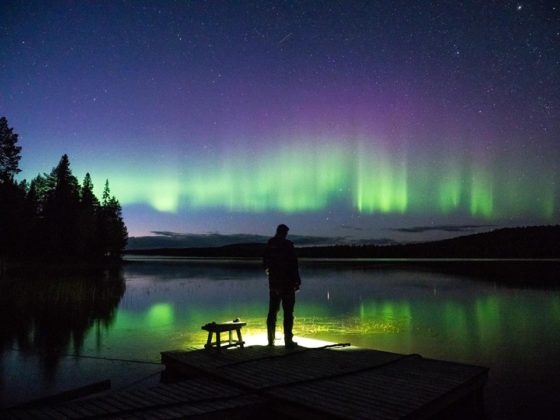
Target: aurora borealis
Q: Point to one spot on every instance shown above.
(338, 118)
(314, 177)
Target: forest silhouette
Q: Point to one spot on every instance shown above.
(53, 219)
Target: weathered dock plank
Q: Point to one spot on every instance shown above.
(390, 391)
(199, 397)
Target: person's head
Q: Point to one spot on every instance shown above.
(282, 231)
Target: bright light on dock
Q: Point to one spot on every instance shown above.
(261, 340)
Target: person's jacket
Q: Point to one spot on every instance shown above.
(281, 263)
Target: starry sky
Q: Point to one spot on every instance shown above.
(403, 120)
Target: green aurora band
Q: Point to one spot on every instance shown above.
(369, 178)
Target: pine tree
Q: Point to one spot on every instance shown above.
(118, 234)
(88, 198)
(113, 232)
(9, 151)
(62, 210)
(106, 193)
(67, 186)
(40, 188)
(12, 196)
(89, 208)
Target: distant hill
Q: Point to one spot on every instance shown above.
(522, 242)
(169, 240)
(248, 250)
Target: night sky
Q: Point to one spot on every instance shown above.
(407, 120)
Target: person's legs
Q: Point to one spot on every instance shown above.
(288, 303)
(273, 307)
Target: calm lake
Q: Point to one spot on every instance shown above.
(61, 333)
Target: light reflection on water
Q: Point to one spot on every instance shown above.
(514, 331)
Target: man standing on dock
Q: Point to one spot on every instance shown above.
(281, 265)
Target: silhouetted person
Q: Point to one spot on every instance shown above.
(281, 266)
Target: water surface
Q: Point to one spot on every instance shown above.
(60, 332)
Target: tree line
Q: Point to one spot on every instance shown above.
(54, 217)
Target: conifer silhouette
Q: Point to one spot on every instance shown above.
(53, 217)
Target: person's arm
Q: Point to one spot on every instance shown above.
(265, 260)
(297, 282)
(298, 279)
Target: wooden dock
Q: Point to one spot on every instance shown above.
(188, 398)
(341, 382)
(327, 382)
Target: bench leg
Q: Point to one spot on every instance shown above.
(229, 343)
(239, 339)
(209, 340)
(218, 341)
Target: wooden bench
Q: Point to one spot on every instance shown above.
(214, 328)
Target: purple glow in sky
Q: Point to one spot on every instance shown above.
(344, 119)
